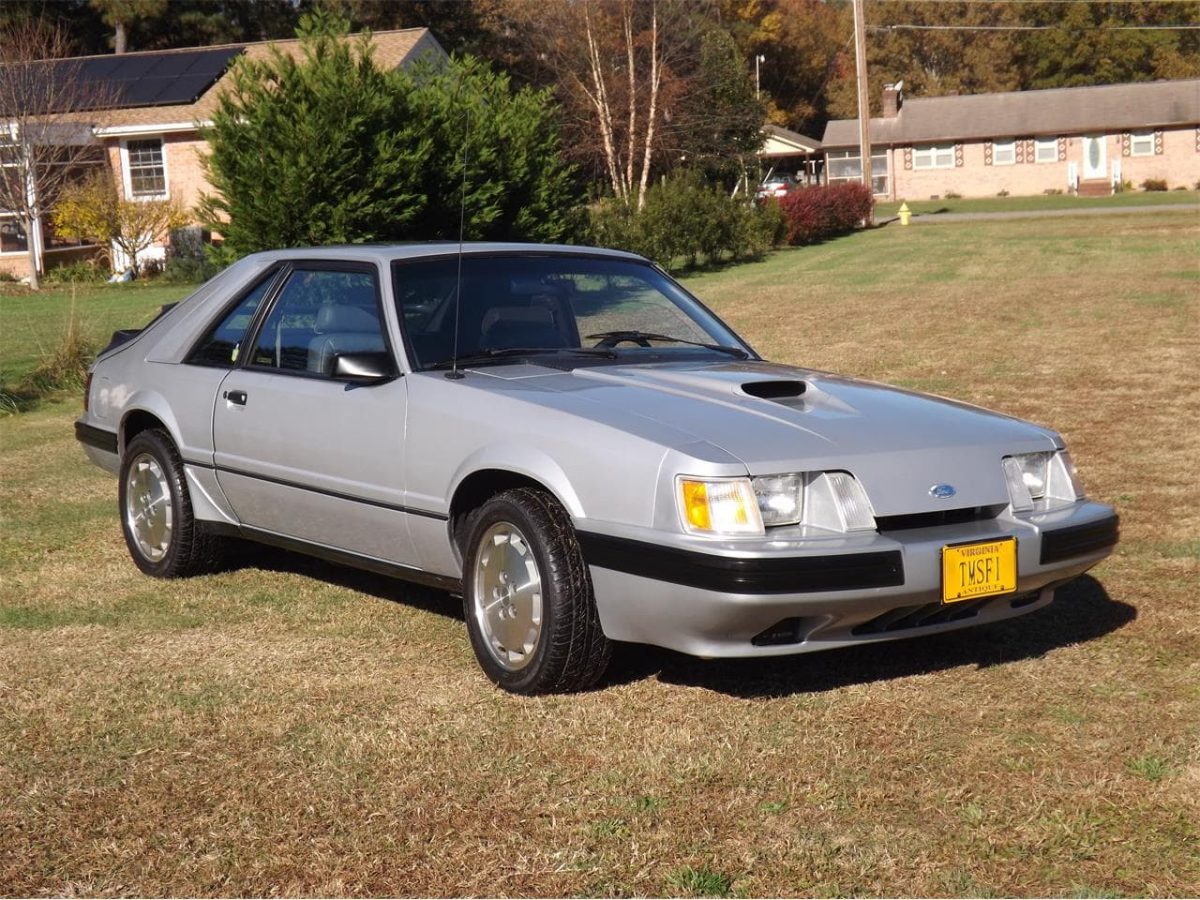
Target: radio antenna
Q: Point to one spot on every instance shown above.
(462, 219)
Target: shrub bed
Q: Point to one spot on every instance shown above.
(816, 213)
(685, 220)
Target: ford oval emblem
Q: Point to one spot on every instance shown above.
(942, 491)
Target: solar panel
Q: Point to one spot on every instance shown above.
(151, 79)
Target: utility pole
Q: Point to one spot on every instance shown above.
(758, 60)
(864, 96)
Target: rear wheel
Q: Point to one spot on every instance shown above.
(163, 537)
(527, 597)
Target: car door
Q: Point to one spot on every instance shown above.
(298, 452)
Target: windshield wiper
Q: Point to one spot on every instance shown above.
(497, 353)
(612, 338)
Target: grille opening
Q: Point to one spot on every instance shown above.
(938, 517)
(774, 390)
(793, 630)
(904, 617)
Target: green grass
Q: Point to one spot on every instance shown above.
(32, 324)
(925, 207)
(290, 728)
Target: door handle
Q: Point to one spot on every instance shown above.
(236, 397)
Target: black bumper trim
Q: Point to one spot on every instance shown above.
(1079, 540)
(99, 438)
(741, 575)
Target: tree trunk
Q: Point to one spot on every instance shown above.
(120, 38)
(599, 98)
(35, 283)
(655, 81)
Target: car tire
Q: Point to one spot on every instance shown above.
(162, 535)
(527, 597)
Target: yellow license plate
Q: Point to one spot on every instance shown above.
(971, 571)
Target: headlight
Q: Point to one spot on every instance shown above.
(832, 501)
(780, 498)
(1047, 479)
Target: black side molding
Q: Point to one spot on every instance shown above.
(739, 575)
(338, 557)
(1079, 540)
(96, 437)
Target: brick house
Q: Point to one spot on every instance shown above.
(1086, 140)
(150, 137)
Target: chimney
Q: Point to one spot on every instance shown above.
(893, 99)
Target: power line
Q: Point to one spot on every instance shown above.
(1033, 28)
(1052, 2)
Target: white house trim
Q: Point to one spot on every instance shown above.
(119, 131)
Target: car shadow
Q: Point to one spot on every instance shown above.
(247, 555)
(1081, 611)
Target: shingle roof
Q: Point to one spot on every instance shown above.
(1061, 111)
(392, 49)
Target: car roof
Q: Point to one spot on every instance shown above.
(389, 252)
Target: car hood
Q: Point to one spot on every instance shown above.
(777, 418)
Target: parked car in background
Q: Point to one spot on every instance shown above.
(775, 187)
(581, 449)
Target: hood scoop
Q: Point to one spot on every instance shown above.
(775, 390)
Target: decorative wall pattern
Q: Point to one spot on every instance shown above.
(958, 156)
(987, 153)
(1062, 149)
(1126, 143)
(1158, 143)
(908, 154)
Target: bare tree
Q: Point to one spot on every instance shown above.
(614, 63)
(45, 138)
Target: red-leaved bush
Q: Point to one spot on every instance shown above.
(815, 213)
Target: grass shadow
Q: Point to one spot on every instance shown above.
(1081, 611)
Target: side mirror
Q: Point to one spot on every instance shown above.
(364, 368)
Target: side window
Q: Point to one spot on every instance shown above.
(221, 345)
(320, 314)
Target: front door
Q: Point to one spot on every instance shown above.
(1095, 158)
(301, 454)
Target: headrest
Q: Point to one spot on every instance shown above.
(526, 315)
(346, 318)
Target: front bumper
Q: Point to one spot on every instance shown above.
(771, 598)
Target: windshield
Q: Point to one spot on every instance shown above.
(577, 308)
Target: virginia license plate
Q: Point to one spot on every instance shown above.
(971, 571)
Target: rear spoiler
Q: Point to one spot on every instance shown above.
(125, 335)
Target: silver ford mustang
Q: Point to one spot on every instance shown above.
(582, 449)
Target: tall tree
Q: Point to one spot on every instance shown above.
(806, 47)
(932, 61)
(1095, 44)
(45, 144)
(121, 14)
(329, 148)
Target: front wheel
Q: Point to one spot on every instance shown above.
(527, 597)
(163, 537)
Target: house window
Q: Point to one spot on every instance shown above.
(12, 235)
(934, 156)
(1046, 150)
(1141, 143)
(1004, 153)
(846, 165)
(145, 168)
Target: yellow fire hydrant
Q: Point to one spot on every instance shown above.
(905, 213)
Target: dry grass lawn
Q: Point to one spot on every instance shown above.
(289, 727)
